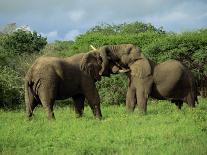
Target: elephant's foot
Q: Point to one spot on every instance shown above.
(29, 118)
(178, 103)
(51, 116)
(130, 110)
(79, 115)
(78, 112)
(141, 112)
(29, 115)
(98, 115)
(97, 112)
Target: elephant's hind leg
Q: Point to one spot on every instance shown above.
(48, 106)
(79, 104)
(191, 100)
(47, 98)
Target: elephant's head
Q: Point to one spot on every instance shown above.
(118, 55)
(91, 63)
(141, 68)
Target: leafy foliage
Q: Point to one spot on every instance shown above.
(18, 48)
(60, 49)
(135, 33)
(22, 41)
(113, 89)
(11, 91)
(125, 28)
(188, 47)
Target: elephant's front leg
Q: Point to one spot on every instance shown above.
(143, 88)
(131, 99)
(142, 100)
(93, 98)
(79, 104)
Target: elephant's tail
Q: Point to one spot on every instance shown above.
(195, 93)
(30, 97)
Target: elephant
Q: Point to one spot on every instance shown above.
(52, 78)
(169, 80)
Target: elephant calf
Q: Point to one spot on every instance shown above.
(51, 78)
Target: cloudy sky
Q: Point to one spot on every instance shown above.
(65, 19)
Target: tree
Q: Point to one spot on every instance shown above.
(23, 41)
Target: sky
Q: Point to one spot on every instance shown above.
(65, 19)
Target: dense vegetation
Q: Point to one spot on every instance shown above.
(164, 130)
(20, 47)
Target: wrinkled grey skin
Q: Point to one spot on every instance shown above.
(168, 80)
(117, 55)
(51, 78)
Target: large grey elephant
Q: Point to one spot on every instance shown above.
(51, 78)
(169, 80)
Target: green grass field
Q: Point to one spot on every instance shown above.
(164, 130)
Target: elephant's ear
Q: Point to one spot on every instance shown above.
(141, 68)
(91, 64)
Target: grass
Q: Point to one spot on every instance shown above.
(164, 130)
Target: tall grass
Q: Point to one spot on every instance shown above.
(164, 130)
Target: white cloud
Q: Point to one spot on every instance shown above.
(54, 35)
(51, 36)
(71, 34)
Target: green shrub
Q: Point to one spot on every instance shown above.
(22, 41)
(11, 90)
(135, 33)
(188, 47)
(60, 49)
(112, 90)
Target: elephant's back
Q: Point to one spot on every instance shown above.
(170, 78)
(45, 67)
(169, 68)
(75, 59)
(170, 64)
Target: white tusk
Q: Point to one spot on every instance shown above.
(93, 48)
(124, 71)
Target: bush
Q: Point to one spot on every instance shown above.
(22, 41)
(135, 33)
(60, 49)
(189, 47)
(11, 90)
(113, 90)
